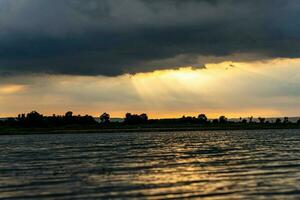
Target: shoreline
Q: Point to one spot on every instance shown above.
(41, 131)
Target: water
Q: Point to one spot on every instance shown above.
(208, 165)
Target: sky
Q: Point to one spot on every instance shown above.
(167, 58)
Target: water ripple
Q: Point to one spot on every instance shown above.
(209, 165)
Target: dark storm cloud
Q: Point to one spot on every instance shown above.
(111, 37)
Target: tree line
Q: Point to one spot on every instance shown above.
(35, 119)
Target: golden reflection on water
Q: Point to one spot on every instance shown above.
(214, 167)
(209, 165)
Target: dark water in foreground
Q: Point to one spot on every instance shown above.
(210, 165)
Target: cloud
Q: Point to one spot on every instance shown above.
(246, 89)
(10, 89)
(113, 37)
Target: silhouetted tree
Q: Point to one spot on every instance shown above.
(261, 120)
(104, 118)
(202, 118)
(21, 118)
(278, 121)
(144, 117)
(69, 114)
(135, 119)
(69, 119)
(285, 120)
(250, 119)
(222, 119)
(34, 119)
(188, 120)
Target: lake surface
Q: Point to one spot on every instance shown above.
(208, 165)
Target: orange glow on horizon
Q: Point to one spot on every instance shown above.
(233, 89)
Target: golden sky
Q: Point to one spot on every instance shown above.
(262, 88)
